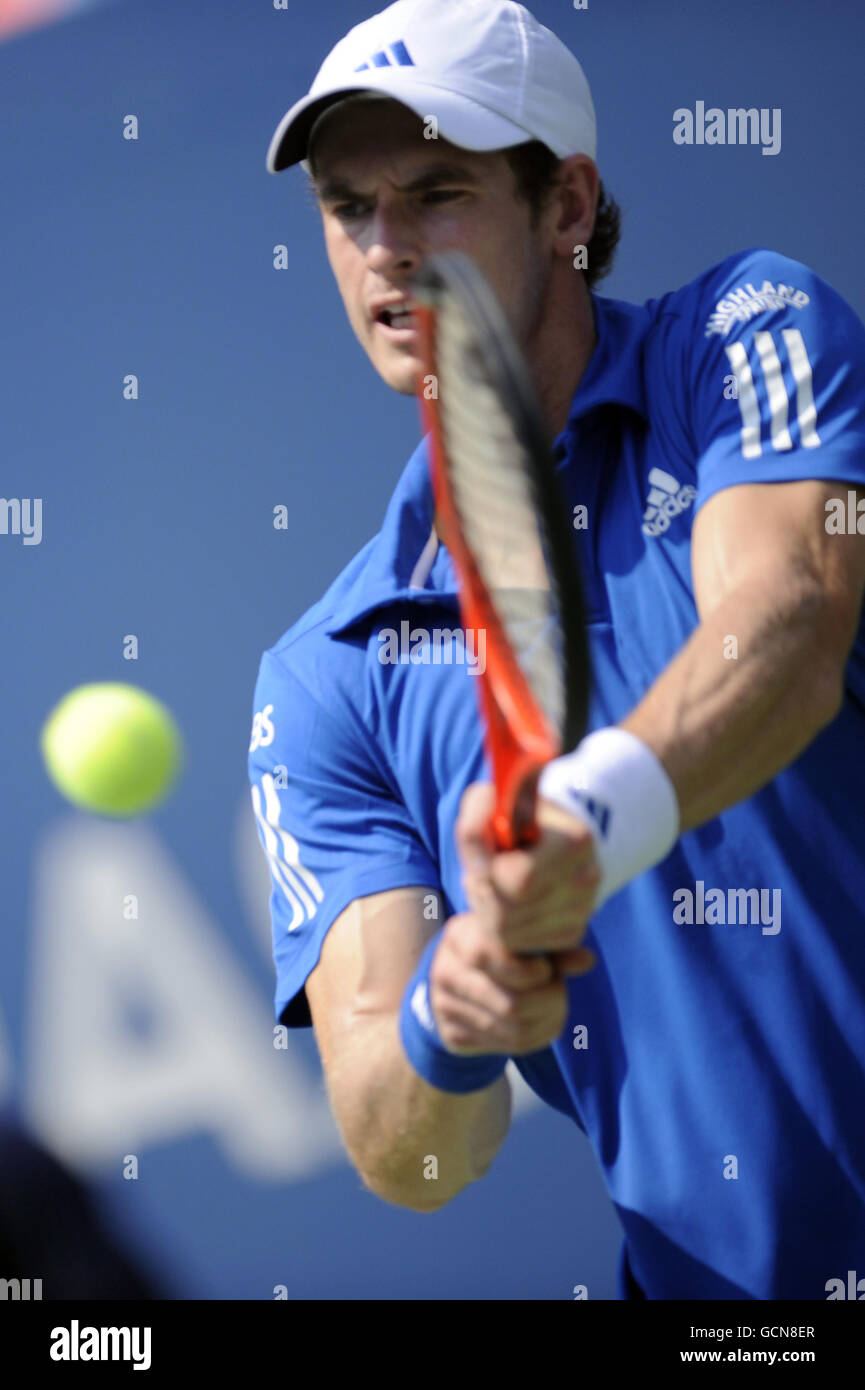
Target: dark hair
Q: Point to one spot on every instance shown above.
(535, 168)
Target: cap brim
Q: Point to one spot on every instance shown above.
(462, 122)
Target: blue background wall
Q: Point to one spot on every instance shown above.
(152, 1038)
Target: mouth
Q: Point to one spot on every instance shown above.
(396, 322)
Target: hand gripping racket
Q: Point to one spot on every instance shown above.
(507, 531)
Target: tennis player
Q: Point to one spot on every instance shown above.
(698, 888)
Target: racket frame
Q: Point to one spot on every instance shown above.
(519, 738)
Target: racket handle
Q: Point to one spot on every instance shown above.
(514, 824)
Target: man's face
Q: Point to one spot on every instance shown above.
(389, 198)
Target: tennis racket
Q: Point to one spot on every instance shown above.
(505, 526)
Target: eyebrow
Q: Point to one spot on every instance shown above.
(336, 190)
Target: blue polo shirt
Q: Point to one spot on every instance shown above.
(715, 1057)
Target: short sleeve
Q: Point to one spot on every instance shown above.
(775, 366)
(332, 826)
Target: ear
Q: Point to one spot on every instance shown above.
(574, 204)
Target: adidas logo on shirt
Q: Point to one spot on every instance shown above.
(667, 498)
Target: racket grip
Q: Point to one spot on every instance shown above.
(513, 824)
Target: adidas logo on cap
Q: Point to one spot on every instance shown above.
(385, 58)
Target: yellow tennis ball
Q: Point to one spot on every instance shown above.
(112, 748)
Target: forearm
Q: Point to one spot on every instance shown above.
(724, 725)
(399, 1131)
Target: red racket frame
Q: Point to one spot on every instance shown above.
(518, 738)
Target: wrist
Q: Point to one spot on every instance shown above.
(620, 788)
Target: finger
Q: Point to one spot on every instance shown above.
(542, 1005)
(579, 961)
(554, 867)
(512, 1026)
(476, 949)
(525, 934)
(472, 831)
(551, 816)
(473, 1005)
(522, 974)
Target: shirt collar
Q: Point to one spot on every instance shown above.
(614, 372)
(401, 563)
(401, 559)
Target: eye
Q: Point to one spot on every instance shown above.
(442, 195)
(350, 212)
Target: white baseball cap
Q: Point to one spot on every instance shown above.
(490, 74)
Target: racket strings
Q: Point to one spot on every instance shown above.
(491, 485)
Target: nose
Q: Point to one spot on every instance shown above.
(394, 244)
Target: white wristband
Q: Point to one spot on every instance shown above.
(623, 793)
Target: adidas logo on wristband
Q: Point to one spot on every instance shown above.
(421, 1009)
(599, 813)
